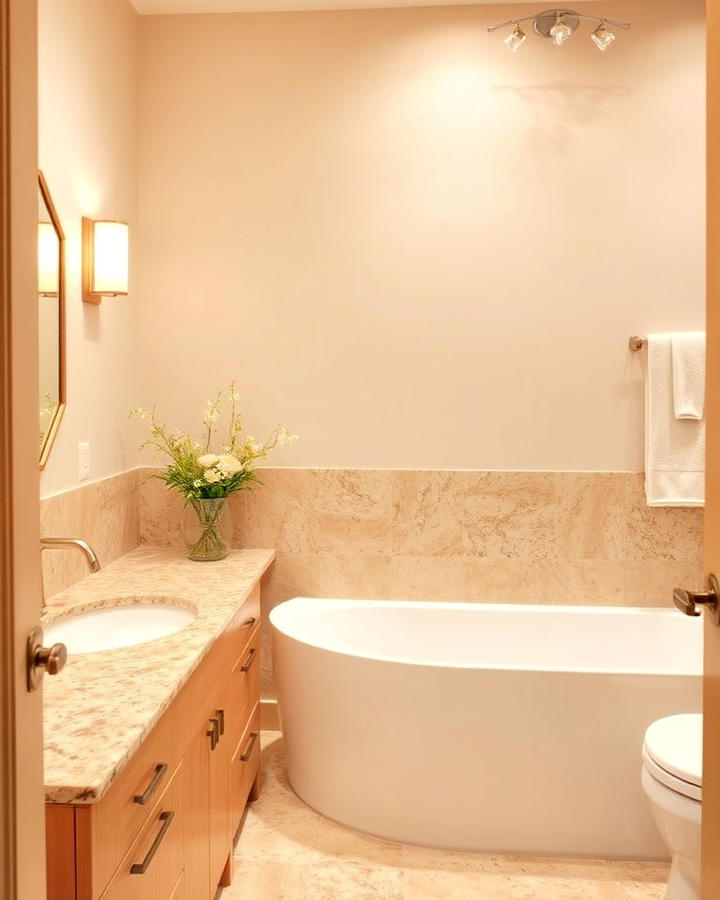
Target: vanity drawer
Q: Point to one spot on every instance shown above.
(247, 618)
(153, 867)
(124, 810)
(244, 686)
(245, 766)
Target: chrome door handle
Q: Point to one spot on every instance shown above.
(42, 659)
(688, 601)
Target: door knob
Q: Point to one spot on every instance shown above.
(43, 659)
(688, 601)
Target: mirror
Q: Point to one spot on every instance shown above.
(51, 312)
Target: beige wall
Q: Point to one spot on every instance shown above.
(412, 247)
(88, 152)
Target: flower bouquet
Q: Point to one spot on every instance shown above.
(205, 478)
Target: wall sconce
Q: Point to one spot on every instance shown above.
(48, 260)
(104, 258)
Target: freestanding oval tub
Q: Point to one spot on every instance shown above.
(479, 726)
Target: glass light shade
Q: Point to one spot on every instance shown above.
(110, 258)
(515, 39)
(601, 37)
(48, 260)
(560, 31)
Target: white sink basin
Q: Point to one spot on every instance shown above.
(117, 626)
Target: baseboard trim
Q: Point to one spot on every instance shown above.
(269, 715)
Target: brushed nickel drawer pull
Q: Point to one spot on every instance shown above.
(251, 743)
(248, 623)
(141, 868)
(213, 734)
(249, 661)
(220, 713)
(160, 770)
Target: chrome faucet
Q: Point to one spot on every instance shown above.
(83, 546)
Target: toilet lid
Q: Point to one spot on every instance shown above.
(673, 748)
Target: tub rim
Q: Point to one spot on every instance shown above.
(544, 608)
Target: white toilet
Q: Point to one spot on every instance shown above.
(672, 780)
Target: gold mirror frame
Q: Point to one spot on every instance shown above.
(52, 430)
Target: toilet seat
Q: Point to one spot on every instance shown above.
(672, 753)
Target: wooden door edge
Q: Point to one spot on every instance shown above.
(8, 761)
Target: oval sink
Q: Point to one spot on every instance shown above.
(117, 626)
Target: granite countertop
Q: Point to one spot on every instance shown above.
(99, 709)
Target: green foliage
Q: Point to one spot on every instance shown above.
(194, 470)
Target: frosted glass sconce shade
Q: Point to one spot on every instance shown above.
(105, 259)
(601, 37)
(515, 39)
(48, 260)
(561, 31)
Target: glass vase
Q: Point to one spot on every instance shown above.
(207, 529)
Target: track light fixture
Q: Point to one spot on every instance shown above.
(559, 25)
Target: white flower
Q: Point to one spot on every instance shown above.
(285, 436)
(212, 413)
(229, 464)
(252, 447)
(207, 461)
(198, 482)
(212, 476)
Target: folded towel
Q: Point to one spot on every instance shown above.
(674, 448)
(688, 372)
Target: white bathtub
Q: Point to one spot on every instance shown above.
(479, 726)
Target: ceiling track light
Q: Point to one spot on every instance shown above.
(559, 25)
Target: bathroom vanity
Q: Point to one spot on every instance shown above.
(152, 750)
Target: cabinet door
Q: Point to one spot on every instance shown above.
(220, 754)
(197, 840)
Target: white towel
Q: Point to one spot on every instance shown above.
(674, 448)
(688, 371)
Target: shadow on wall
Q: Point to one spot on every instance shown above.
(575, 104)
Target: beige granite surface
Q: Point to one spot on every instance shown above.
(98, 710)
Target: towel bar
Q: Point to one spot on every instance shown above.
(636, 343)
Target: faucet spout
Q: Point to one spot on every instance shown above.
(78, 543)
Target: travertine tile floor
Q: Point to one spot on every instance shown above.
(286, 851)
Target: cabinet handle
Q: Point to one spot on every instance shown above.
(249, 749)
(220, 713)
(160, 770)
(248, 623)
(213, 734)
(141, 868)
(249, 661)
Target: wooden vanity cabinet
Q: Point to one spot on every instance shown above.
(188, 767)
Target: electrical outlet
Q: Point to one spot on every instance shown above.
(83, 460)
